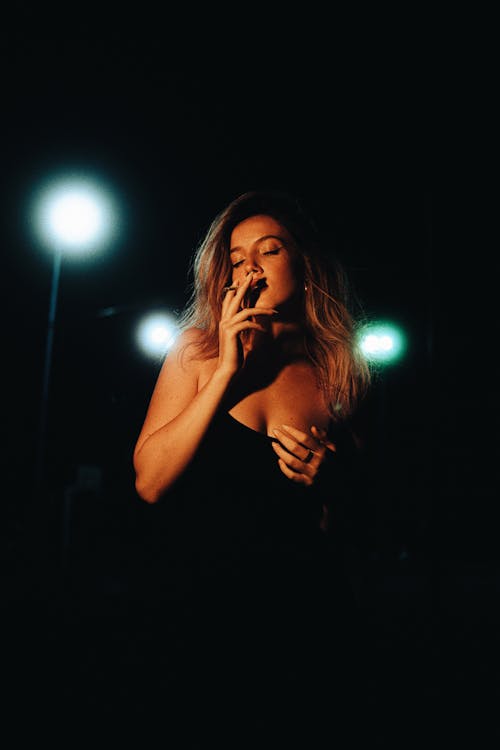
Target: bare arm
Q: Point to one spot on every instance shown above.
(179, 414)
(177, 418)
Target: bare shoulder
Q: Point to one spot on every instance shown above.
(177, 381)
(191, 335)
(176, 385)
(185, 352)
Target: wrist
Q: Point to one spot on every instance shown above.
(223, 375)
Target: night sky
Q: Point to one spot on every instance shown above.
(177, 129)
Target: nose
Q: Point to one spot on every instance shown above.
(251, 264)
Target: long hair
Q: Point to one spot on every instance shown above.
(330, 324)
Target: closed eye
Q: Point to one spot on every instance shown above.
(274, 251)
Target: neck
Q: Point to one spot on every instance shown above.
(266, 354)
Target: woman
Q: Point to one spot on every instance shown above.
(244, 450)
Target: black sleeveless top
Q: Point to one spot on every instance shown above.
(239, 496)
(235, 529)
(246, 595)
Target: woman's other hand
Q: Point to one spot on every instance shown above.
(301, 454)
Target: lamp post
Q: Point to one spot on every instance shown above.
(74, 215)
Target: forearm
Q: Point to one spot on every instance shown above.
(166, 453)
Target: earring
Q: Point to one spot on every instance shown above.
(305, 287)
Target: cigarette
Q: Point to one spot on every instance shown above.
(230, 288)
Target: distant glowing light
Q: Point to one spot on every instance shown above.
(75, 214)
(156, 334)
(382, 342)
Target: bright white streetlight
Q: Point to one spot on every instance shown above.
(71, 214)
(75, 214)
(382, 342)
(156, 333)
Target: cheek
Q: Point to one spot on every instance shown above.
(289, 280)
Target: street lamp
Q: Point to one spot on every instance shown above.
(73, 215)
(382, 342)
(156, 333)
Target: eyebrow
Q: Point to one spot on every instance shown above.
(261, 239)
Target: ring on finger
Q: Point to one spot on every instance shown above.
(309, 456)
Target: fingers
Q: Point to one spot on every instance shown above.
(238, 322)
(293, 467)
(296, 444)
(232, 311)
(299, 457)
(300, 442)
(250, 311)
(235, 293)
(322, 436)
(293, 475)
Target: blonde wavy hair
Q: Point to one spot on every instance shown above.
(330, 324)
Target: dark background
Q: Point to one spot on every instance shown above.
(179, 124)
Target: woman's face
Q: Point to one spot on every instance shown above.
(262, 245)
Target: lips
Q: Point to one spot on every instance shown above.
(259, 284)
(255, 290)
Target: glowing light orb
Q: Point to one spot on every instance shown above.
(75, 214)
(156, 334)
(382, 342)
